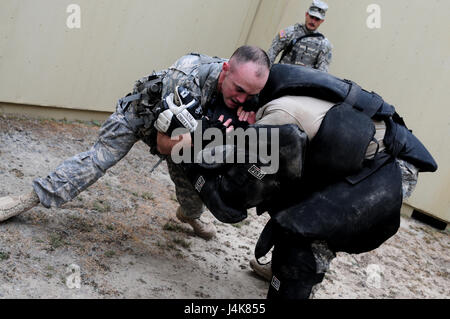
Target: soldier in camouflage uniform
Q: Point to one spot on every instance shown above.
(301, 43)
(238, 79)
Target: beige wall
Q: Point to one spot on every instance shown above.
(407, 60)
(43, 62)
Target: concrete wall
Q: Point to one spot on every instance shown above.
(406, 60)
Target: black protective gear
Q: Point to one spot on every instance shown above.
(350, 218)
(353, 218)
(293, 271)
(229, 189)
(287, 79)
(340, 145)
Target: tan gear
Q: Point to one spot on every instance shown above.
(13, 205)
(201, 228)
(264, 271)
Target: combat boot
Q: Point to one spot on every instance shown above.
(13, 205)
(201, 228)
(264, 271)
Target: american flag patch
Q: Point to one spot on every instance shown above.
(282, 33)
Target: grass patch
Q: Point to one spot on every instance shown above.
(173, 227)
(4, 255)
(181, 242)
(242, 223)
(101, 206)
(110, 253)
(56, 241)
(95, 123)
(147, 196)
(80, 224)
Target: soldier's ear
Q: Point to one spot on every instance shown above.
(226, 67)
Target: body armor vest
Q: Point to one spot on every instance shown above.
(347, 128)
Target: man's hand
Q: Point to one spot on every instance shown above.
(226, 124)
(166, 143)
(249, 117)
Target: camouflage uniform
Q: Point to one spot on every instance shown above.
(314, 52)
(130, 123)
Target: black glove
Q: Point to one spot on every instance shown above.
(205, 124)
(251, 105)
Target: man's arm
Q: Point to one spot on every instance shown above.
(325, 56)
(165, 143)
(176, 78)
(279, 43)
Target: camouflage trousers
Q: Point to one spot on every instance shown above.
(116, 138)
(191, 204)
(79, 172)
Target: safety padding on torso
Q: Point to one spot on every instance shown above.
(287, 79)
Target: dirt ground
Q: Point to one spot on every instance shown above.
(122, 237)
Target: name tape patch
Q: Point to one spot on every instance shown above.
(257, 172)
(275, 283)
(199, 184)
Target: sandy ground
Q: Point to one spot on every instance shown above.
(122, 237)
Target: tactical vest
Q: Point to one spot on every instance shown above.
(294, 54)
(143, 105)
(347, 129)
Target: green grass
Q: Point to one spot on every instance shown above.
(242, 223)
(147, 196)
(101, 206)
(110, 253)
(56, 241)
(174, 227)
(181, 242)
(4, 255)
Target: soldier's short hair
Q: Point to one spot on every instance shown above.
(248, 53)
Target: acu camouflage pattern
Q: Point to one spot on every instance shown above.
(190, 202)
(313, 52)
(410, 174)
(131, 122)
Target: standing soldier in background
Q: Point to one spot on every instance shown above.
(301, 43)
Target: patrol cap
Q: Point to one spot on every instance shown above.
(318, 9)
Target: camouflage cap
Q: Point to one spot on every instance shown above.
(318, 9)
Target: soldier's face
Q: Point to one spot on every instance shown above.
(239, 82)
(312, 23)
